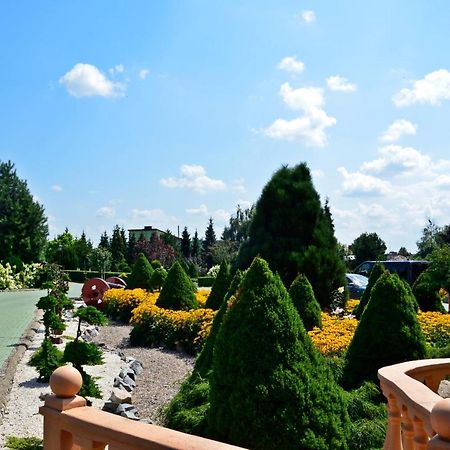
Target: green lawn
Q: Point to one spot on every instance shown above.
(16, 312)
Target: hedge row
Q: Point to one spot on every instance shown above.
(205, 281)
(80, 276)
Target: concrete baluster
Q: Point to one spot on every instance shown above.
(407, 430)
(65, 383)
(393, 435)
(440, 421)
(420, 435)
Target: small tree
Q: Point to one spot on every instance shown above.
(302, 295)
(141, 274)
(158, 278)
(388, 332)
(185, 244)
(101, 260)
(177, 291)
(376, 272)
(266, 372)
(208, 242)
(368, 247)
(427, 293)
(220, 287)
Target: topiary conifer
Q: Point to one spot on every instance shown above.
(302, 295)
(388, 332)
(220, 287)
(178, 290)
(426, 293)
(270, 389)
(376, 272)
(141, 274)
(159, 275)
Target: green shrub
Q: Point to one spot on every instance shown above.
(220, 287)
(270, 389)
(141, 274)
(427, 293)
(376, 272)
(158, 277)
(24, 443)
(156, 264)
(388, 332)
(46, 359)
(193, 270)
(205, 281)
(178, 290)
(302, 295)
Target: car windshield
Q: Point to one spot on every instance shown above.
(357, 279)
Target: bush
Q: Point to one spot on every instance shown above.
(220, 287)
(158, 277)
(156, 264)
(141, 274)
(376, 272)
(46, 359)
(23, 443)
(178, 290)
(308, 308)
(80, 276)
(270, 389)
(205, 281)
(388, 332)
(119, 303)
(427, 293)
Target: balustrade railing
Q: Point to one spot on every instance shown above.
(419, 418)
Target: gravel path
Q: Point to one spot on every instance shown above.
(163, 373)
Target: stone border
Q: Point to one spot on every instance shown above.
(9, 367)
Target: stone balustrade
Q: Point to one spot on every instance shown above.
(71, 425)
(419, 418)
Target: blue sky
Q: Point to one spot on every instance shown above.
(167, 112)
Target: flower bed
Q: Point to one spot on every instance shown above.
(12, 279)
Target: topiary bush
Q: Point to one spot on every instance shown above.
(159, 275)
(270, 389)
(46, 359)
(178, 291)
(302, 295)
(388, 332)
(220, 287)
(376, 272)
(427, 293)
(141, 274)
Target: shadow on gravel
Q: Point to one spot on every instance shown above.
(33, 384)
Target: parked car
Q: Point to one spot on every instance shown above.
(407, 270)
(356, 284)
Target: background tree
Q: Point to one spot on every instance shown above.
(156, 248)
(196, 247)
(292, 232)
(403, 252)
(100, 260)
(62, 250)
(83, 250)
(239, 225)
(208, 242)
(118, 246)
(429, 240)
(104, 241)
(224, 250)
(23, 225)
(131, 250)
(185, 243)
(169, 239)
(368, 247)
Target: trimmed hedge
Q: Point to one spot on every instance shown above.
(80, 276)
(205, 281)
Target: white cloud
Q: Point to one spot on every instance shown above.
(194, 177)
(308, 16)
(119, 68)
(291, 64)
(398, 160)
(431, 89)
(317, 173)
(85, 80)
(338, 83)
(107, 212)
(398, 129)
(219, 215)
(310, 128)
(144, 73)
(357, 183)
(56, 188)
(202, 210)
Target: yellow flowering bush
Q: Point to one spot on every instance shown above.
(120, 302)
(436, 327)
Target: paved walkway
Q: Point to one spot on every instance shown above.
(17, 309)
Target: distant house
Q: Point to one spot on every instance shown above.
(147, 232)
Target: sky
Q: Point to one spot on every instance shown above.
(168, 112)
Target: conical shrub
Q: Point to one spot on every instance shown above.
(426, 294)
(178, 291)
(220, 287)
(388, 332)
(376, 272)
(302, 295)
(203, 363)
(158, 277)
(141, 274)
(270, 389)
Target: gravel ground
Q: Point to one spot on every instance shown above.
(159, 382)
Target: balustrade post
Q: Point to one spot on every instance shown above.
(440, 421)
(407, 431)
(420, 435)
(393, 436)
(65, 383)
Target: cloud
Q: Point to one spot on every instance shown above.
(398, 129)
(310, 128)
(202, 210)
(431, 89)
(357, 183)
(107, 212)
(338, 83)
(144, 73)
(308, 16)
(291, 64)
(397, 160)
(219, 215)
(119, 68)
(85, 80)
(194, 177)
(57, 188)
